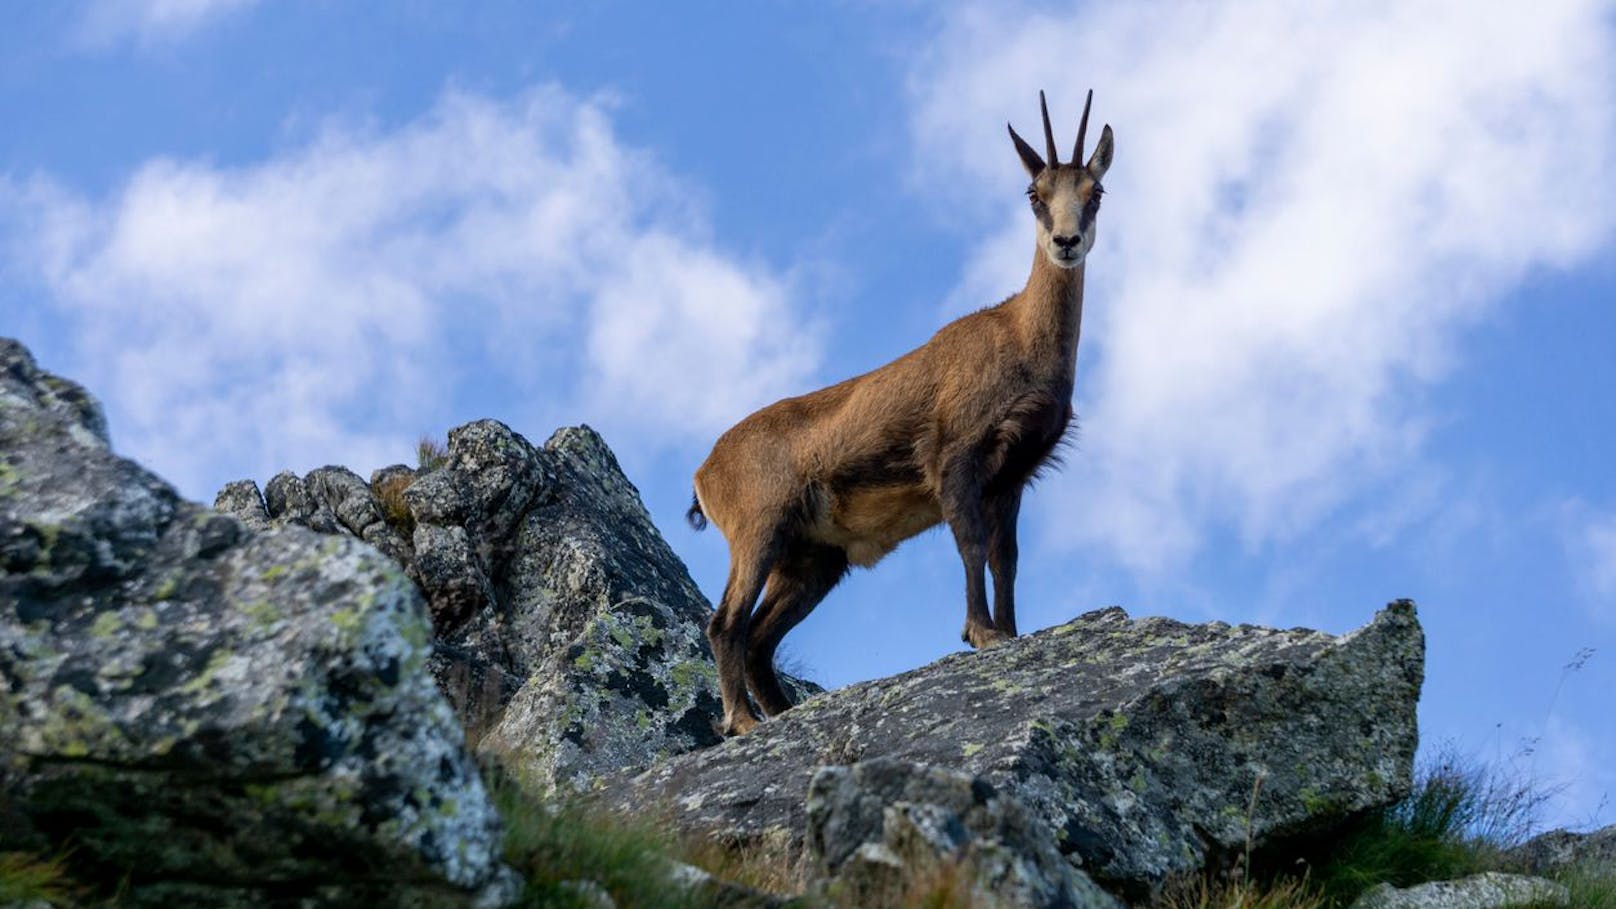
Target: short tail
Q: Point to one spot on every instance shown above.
(696, 518)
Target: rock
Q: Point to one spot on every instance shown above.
(217, 717)
(1562, 850)
(1490, 890)
(350, 499)
(587, 895)
(243, 500)
(879, 829)
(1140, 742)
(605, 625)
(450, 573)
(570, 637)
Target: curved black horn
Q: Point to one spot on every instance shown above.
(1082, 130)
(1049, 134)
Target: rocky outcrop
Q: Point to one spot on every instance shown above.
(1562, 850)
(241, 712)
(880, 829)
(569, 634)
(1490, 890)
(215, 717)
(1143, 743)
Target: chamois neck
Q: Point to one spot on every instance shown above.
(1050, 308)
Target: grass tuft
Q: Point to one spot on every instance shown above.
(26, 878)
(1590, 888)
(765, 866)
(565, 850)
(1234, 892)
(430, 454)
(395, 510)
(1459, 819)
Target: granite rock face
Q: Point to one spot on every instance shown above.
(879, 828)
(1140, 742)
(569, 634)
(1490, 890)
(1562, 850)
(223, 718)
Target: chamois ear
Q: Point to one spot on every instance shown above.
(1029, 158)
(1101, 161)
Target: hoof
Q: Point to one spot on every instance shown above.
(740, 725)
(982, 638)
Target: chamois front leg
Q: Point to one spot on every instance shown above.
(728, 631)
(1002, 511)
(962, 509)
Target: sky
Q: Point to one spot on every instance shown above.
(1347, 339)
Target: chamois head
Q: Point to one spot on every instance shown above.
(1065, 197)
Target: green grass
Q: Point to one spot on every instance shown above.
(1590, 889)
(25, 878)
(556, 845)
(1460, 819)
(1234, 893)
(430, 454)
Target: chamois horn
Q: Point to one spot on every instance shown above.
(1049, 134)
(1082, 129)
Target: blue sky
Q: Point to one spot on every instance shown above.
(1348, 334)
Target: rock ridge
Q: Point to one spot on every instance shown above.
(1138, 741)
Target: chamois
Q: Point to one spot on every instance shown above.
(949, 432)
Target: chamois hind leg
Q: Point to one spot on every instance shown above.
(962, 509)
(799, 581)
(1002, 511)
(729, 628)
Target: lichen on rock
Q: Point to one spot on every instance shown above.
(569, 634)
(1140, 742)
(213, 715)
(877, 829)
(1488, 890)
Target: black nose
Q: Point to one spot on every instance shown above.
(1066, 242)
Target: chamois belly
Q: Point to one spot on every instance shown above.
(870, 522)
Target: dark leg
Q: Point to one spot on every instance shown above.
(728, 630)
(800, 579)
(1002, 512)
(962, 509)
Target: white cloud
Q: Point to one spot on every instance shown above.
(150, 22)
(1589, 536)
(1308, 201)
(329, 304)
(1599, 538)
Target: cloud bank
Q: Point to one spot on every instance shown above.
(1308, 205)
(150, 22)
(332, 302)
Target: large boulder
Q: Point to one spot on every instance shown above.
(214, 717)
(1151, 747)
(1563, 850)
(570, 636)
(882, 831)
(1489, 890)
